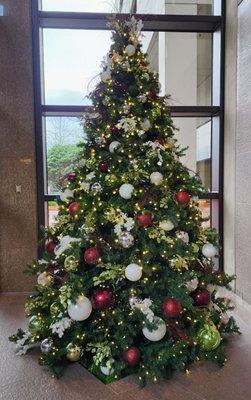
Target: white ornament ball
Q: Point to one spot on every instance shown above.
(66, 194)
(146, 125)
(105, 75)
(80, 310)
(130, 50)
(166, 225)
(133, 272)
(156, 178)
(113, 146)
(208, 250)
(126, 190)
(107, 370)
(96, 187)
(126, 240)
(44, 279)
(158, 333)
(183, 236)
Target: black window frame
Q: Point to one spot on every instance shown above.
(214, 24)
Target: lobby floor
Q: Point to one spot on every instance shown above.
(21, 378)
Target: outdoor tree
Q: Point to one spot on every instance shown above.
(127, 283)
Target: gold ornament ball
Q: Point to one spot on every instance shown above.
(74, 352)
(54, 310)
(209, 337)
(36, 324)
(70, 264)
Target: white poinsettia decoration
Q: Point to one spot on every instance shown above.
(135, 26)
(124, 223)
(22, 345)
(143, 306)
(60, 326)
(64, 244)
(127, 124)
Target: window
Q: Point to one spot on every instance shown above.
(185, 43)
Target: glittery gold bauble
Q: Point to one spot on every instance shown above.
(54, 309)
(70, 264)
(209, 337)
(74, 352)
(36, 324)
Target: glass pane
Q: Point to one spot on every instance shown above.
(205, 208)
(61, 137)
(195, 133)
(51, 212)
(80, 5)
(183, 61)
(71, 62)
(189, 7)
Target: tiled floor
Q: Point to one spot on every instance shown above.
(21, 378)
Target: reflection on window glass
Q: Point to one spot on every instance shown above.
(80, 5)
(71, 62)
(189, 7)
(51, 212)
(205, 208)
(62, 134)
(195, 133)
(183, 61)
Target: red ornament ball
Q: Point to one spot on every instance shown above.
(144, 220)
(73, 208)
(183, 197)
(50, 246)
(91, 255)
(102, 299)
(131, 356)
(71, 177)
(172, 308)
(103, 166)
(121, 86)
(201, 297)
(114, 130)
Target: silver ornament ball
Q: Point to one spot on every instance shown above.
(46, 345)
(126, 240)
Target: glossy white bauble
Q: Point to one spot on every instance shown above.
(80, 310)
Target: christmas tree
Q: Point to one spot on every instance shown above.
(127, 283)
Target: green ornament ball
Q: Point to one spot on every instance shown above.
(36, 324)
(209, 337)
(73, 352)
(70, 264)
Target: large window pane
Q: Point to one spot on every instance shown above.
(195, 133)
(183, 61)
(62, 134)
(189, 7)
(71, 62)
(79, 5)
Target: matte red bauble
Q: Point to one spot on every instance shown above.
(153, 94)
(102, 299)
(73, 208)
(131, 356)
(144, 220)
(201, 297)
(114, 130)
(121, 86)
(50, 246)
(71, 177)
(183, 197)
(91, 255)
(172, 308)
(103, 166)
